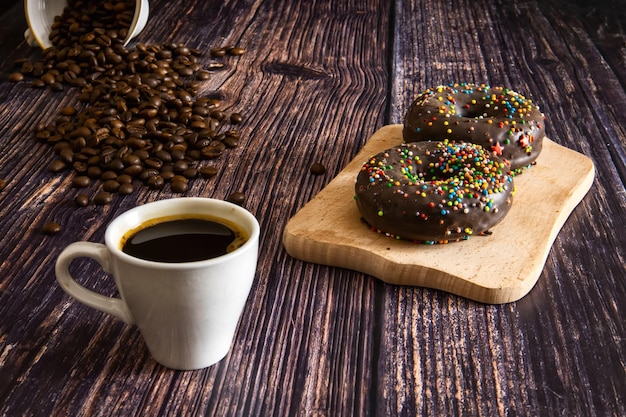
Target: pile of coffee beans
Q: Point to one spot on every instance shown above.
(141, 120)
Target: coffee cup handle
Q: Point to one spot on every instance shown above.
(99, 252)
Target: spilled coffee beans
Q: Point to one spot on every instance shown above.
(141, 119)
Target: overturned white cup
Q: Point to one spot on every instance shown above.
(40, 16)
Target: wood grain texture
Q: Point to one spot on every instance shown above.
(318, 79)
(500, 268)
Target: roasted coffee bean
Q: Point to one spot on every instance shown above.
(111, 186)
(236, 51)
(198, 125)
(102, 198)
(125, 179)
(208, 171)
(201, 142)
(133, 170)
(69, 77)
(217, 115)
(141, 115)
(163, 156)
(126, 189)
(48, 78)
(167, 174)
(81, 181)
(16, 77)
(57, 166)
(66, 155)
(131, 159)
(185, 71)
(68, 111)
(78, 144)
(60, 147)
(44, 134)
(180, 165)
(142, 154)
(153, 162)
(231, 141)
(81, 200)
(37, 83)
(180, 178)
(177, 154)
(80, 132)
(218, 52)
(236, 118)
(215, 66)
(94, 172)
(203, 75)
(179, 186)
(156, 182)
(51, 228)
(27, 67)
(212, 152)
(233, 133)
(237, 198)
(317, 169)
(190, 173)
(148, 173)
(116, 165)
(108, 175)
(80, 167)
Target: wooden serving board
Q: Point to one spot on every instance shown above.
(499, 268)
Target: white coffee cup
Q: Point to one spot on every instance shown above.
(186, 312)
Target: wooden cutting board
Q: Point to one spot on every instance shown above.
(499, 268)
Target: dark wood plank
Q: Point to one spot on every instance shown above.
(546, 53)
(306, 103)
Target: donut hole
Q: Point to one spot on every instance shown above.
(472, 112)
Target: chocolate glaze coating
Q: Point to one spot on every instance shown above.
(499, 119)
(434, 192)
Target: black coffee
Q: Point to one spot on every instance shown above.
(176, 240)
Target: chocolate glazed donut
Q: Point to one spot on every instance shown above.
(434, 192)
(501, 120)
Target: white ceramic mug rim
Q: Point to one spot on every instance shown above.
(112, 236)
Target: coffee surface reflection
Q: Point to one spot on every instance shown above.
(177, 240)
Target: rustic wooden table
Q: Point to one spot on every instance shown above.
(317, 80)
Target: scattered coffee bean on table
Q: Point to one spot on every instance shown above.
(208, 171)
(51, 228)
(141, 114)
(16, 77)
(317, 169)
(235, 51)
(179, 186)
(81, 200)
(237, 198)
(81, 181)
